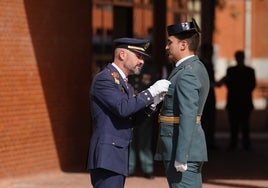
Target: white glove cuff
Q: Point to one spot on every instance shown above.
(152, 91)
(180, 167)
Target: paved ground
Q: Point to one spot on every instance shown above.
(225, 169)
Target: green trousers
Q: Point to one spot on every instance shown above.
(191, 178)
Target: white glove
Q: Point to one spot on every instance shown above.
(158, 98)
(180, 167)
(159, 87)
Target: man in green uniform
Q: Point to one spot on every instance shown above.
(181, 142)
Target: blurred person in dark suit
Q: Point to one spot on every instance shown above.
(240, 82)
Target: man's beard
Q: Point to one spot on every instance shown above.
(137, 71)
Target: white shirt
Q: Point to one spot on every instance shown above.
(120, 71)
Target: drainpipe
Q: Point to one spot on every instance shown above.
(248, 31)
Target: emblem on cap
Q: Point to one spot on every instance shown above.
(183, 27)
(146, 46)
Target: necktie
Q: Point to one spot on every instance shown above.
(126, 81)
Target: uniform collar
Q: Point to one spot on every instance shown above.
(120, 71)
(183, 59)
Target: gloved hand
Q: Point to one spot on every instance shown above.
(180, 167)
(159, 87)
(158, 98)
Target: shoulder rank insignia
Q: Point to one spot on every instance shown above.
(115, 75)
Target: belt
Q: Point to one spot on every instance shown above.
(174, 119)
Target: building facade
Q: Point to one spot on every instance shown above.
(240, 25)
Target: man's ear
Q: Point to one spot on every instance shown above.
(122, 54)
(183, 45)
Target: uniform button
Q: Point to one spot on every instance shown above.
(145, 93)
(130, 118)
(113, 143)
(148, 98)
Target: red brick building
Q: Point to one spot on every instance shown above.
(44, 83)
(241, 25)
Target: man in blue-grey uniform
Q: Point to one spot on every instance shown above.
(114, 108)
(182, 144)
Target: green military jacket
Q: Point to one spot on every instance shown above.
(185, 99)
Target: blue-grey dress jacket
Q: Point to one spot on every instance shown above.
(185, 98)
(113, 110)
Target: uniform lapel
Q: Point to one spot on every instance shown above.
(174, 71)
(121, 80)
(181, 66)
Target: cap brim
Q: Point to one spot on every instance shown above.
(190, 31)
(140, 52)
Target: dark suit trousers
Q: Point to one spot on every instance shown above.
(191, 178)
(239, 119)
(102, 178)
